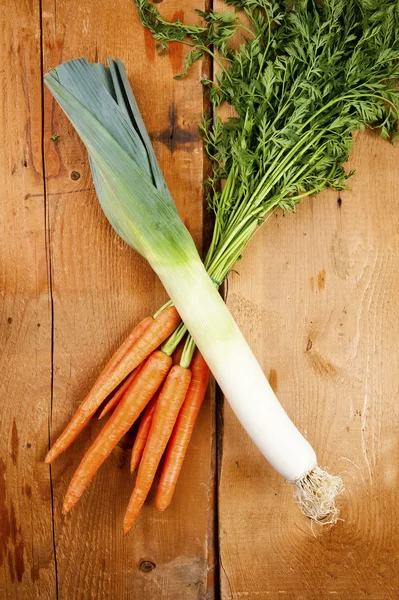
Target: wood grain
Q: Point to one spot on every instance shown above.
(26, 541)
(99, 288)
(321, 287)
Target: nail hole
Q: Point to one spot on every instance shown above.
(75, 175)
(339, 201)
(146, 566)
(29, 445)
(9, 320)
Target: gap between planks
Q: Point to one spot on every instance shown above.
(47, 236)
(214, 566)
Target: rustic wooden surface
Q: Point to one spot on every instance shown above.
(71, 292)
(322, 285)
(26, 542)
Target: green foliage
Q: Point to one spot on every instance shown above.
(130, 186)
(217, 31)
(310, 75)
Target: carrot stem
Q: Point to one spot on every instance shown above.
(170, 345)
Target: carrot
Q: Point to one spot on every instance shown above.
(154, 334)
(117, 397)
(182, 431)
(167, 408)
(142, 434)
(122, 350)
(133, 403)
(85, 410)
(146, 420)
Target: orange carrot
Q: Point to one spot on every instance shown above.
(122, 350)
(154, 334)
(117, 397)
(85, 411)
(182, 431)
(142, 434)
(146, 420)
(167, 408)
(133, 403)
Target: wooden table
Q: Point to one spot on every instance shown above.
(317, 295)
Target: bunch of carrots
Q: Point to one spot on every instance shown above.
(154, 385)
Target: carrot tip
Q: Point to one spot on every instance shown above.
(161, 506)
(127, 528)
(107, 408)
(129, 521)
(67, 506)
(49, 458)
(134, 465)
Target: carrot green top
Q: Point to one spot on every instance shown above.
(305, 77)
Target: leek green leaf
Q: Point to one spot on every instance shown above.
(124, 168)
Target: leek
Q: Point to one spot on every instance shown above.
(307, 76)
(133, 194)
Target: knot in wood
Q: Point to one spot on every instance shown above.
(146, 566)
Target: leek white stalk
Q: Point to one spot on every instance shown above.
(245, 386)
(135, 199)
(236, 369)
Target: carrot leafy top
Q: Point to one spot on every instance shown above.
(307, 75)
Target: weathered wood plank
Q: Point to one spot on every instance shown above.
(100, 290)
(26, 541)
(317, 297)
